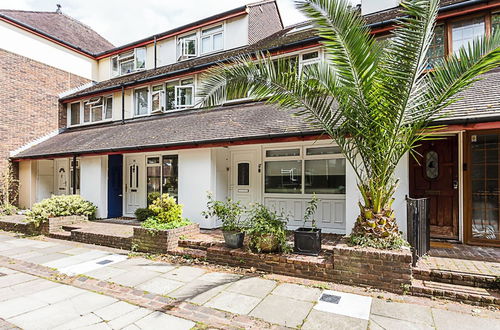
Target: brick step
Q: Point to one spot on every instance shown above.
(198, 244)
(70, 228)
(66, 235)
(458, 278)
(466, 294)
(193, 253)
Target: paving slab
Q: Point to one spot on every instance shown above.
(129, 318)
(132, 263)
(408, 312)
(158, 320)
(447, 320)
(75, 259)
(348, 304)
(233, 302)
(98, 326)
(29, 255)
(198, 292)
(389, 323)
(80, 322)
(16, 278)
(282, 310)
(56, 294)
(184, 273)
(318, 320)
(89, 302)
(134, 277)
(296, 291)
(252, 286)
(25, 288)
(115, 310)
(217, 277)
(160, 285)
(160, 267)
(105, 273)
(48, 257)
(20, 305)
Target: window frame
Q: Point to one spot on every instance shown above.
(92, 103)
(221, 31)
(135, 100)
(303, 157)
(129, 58)
(180, 49)
(449, 28)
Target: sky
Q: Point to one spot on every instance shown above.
(124, 21)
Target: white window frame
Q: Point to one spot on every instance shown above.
(161, 98)
(128, 58)
(134, 101)
(181, 50)
(303, 63)
(210, 36)
(302, 157)
(93, 103)
(472, 19)
(178, 88)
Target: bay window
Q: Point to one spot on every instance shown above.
(162, 176)
(464, 32)
(212, 39)
(307, 170)
(128, 62)
(187, 47)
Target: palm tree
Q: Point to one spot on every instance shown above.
(375, 99)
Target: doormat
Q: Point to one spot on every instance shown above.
(441, 245)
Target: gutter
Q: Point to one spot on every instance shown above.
(467, 121)
(180, 145)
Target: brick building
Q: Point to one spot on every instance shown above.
(42, 54)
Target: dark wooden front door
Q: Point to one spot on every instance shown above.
(434, 174)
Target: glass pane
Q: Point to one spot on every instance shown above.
(283, 177)
(283, 153)
(465, 32)
(153, 182)
(323, 151)
(140, 60)
(75, 113)
(432, 165)
(185, 96)
(153, 160)
(243, 174)
(126, 67)
(436, 49)
(495, 22)
(205, 44)
(212, 30)
(485, 187)
(325, 176)
(170, 175)
(310, 56)
(170, 95)
(97, 113)
(109, 108)
(114, 66)
(218, 41)
(86, 113)
(141, 101)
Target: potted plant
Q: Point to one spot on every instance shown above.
(229, 213)
(307, 240)
(267, 230)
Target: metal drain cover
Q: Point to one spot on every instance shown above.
(330, 298)
(104, 262)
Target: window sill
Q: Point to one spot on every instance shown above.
(91, 123)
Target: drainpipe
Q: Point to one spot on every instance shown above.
(74, 174)
(123, 104)
(155, 50)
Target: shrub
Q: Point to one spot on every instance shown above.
(142, 214)
(167, 214)
(392, 243)
(63, 205)
(8, 191)
(265, 222)
(7, 209)
(229, 212)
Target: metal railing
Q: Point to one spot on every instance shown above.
(418, 228)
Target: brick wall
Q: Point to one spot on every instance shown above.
(29, 100)
(263, 20)
(161, 241)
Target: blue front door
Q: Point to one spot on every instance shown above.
(115, 186)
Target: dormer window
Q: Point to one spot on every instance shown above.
(128, 62)
(187, 47)
(93, 110)
(212, 39)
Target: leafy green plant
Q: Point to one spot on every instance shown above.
(152, 196)
(8, 191)
(267, 228)
(229, 212)
(62, 205)
(143, 213)
(311, 208)
(166, 214)
(393, 243)
(376, 100)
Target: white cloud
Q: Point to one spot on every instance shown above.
(123, 21)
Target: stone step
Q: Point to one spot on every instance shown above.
(466, 294)
(66, 235)
(70, 227)
(193, 253)
(456, 277)
(198, 244)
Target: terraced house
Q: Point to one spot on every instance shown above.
(136, 130)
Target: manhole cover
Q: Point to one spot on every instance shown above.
(104, 262)
(330, 298)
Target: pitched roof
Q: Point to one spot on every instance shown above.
(229, 123)
(277, 40)
(481, 102)
(60, 27)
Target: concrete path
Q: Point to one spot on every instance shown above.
(30, 302)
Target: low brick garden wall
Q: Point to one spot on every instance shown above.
(386, 270)
(56, 223)
(161, 241)
(17, 224)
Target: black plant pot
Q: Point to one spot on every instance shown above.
(234, 239)
(307, 241)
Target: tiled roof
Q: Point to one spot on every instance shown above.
(481, 102)
(277, 39)
(62, 27)
(228, 123)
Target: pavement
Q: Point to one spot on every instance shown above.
(31, 301)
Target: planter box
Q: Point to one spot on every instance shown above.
(160, 241)
(307, 241)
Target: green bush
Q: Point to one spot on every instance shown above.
(142, 214)
(265, 222)
(167, 214)
(63, 205)
(228, 212)
(393, 243)
(7, 209)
